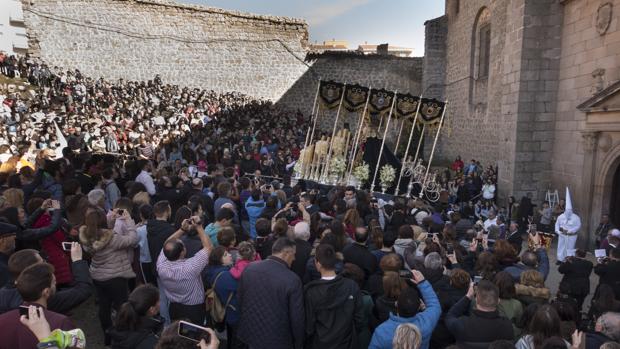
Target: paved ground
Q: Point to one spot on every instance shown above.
(85, 317)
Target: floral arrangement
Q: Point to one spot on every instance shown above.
(337, 166)
(387, 175)
(361, 172)
(297, 168)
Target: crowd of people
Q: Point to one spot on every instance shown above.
(163, 205)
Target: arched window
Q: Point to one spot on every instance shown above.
(481, 44)
(484, 50)
(480, 61)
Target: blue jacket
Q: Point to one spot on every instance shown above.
(225, 286)
(254, 210)
(425, 321)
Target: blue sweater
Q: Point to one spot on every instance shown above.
(254, 210)
(425, 321)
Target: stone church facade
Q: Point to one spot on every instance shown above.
(533, 86)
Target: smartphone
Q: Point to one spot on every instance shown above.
(405, 274)
(477, 279)
(449, 248)
(23, 310)
(193, 332)
(66, 246)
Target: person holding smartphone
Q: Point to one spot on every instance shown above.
(180, 277)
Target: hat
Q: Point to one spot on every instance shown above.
(7, 229)
(568, 211)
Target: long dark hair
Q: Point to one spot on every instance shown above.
(132, 312)
(544, 324)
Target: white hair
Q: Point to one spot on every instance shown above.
(433, 261)
(95, 196)
(302, 231)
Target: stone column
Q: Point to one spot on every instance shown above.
(590, 141)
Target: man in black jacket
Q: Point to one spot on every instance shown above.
(576, 280)
(64, 299)
(334, 310)
(608, 271)
(271, 302)
(358, 254)
(483, 325)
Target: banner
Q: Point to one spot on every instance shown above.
(431, 110)
(406, 106)
(330, 93)
(355, 97)
(380, 101)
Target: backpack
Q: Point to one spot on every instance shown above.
(213, 303)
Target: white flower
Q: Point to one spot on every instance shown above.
(387, 175)
(297, 167)
(337, 166)
(361, 172)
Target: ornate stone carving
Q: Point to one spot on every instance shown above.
(605, 142)
(599, 80)
(603, 17)
(589, 140)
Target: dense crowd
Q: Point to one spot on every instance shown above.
(163, 202)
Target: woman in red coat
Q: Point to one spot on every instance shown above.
(51, 239)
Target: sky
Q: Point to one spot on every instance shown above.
(397, 22)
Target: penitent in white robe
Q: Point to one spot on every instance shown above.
(566, 241)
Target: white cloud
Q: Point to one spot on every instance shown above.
(322, 13)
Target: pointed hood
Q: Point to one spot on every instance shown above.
(568, 212)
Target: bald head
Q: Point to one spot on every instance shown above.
(530, 259)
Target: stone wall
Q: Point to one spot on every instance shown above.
(475, 127)
(434, 78)
(505, 118)
(538, 83)
(188, 45)
(377, 71)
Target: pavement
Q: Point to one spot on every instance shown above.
(85, 316)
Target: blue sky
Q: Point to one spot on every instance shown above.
(398, 22)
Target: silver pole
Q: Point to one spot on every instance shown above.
(313, 124)
(331, 142)
(430, 159)
(402, 166)
(387, 124)
(415, 159)
(358, 134)
(400, 132)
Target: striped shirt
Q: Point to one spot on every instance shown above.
(181, 280)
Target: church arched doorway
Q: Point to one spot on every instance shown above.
(614, 200)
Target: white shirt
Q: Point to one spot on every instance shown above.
(146, 179)
(488, 191)
(489, 222)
